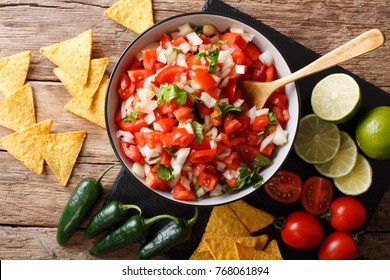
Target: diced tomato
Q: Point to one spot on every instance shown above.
(204, 79)
(158, 65)
(252, 51)
(178, 41)
(164, 40)
(140, 139)
(207, 180)
(152, 138)
(183, 114)
(247, 152)
(133, 126)
(181, 137)
(203, 109)
(165, 158)
(251, 138)
(231, 124)
(131, 151)
(136, 65)
(245, 121)
(282, 114)
(277, 99)
(232, 161)
(137, 75)
(181, 193)
(237, 140)
(205, 145)
(191, 60)
(165, 108)
(232, 182)
(149, 57)
(166, 124)
(170, 74)
(225, 139)
(233, 39)
(230, 90)
(127, 88)
(259, 71)
(202, 156)
(260, 123)
(239, 57)
(154, 182)
(198, 168)
(267, 151)
(270, 74)
(216, 117)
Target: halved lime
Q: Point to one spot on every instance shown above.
(358, 180)
(336, 98)
(317, 141)
(344, 160)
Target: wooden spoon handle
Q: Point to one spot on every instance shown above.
(363, 43)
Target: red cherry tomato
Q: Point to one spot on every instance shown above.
(316, 195)
(338, 246)
(347, 214)
(302, 230)
(285, 186)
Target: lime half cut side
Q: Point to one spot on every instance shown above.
(358, 181)
(317, 141)
(344, 160)
(336, 98)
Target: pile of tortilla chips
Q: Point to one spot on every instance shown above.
(228, 235)
(83, 77)
(31, 143)
(136, 15)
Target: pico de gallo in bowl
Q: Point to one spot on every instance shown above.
(178, 120)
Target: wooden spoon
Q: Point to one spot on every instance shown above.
(257, 93)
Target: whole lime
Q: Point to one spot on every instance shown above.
(373, 133)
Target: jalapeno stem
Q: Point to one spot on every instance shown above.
(104, 173)
(125, 207)
(149, 221)
(192, 221)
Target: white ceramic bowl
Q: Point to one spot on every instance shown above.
(222, 23)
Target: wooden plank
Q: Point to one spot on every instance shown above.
(39, 243)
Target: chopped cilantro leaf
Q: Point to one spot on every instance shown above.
(260, 161)
(132, 117)
(198, 129)
(227, 108)
(165, 173)
(168, 92)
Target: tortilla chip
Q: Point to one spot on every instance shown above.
(136, 15)
(60, 151)
(224, 248)
(17, 111)
(72, 56)
(273, 249)
(87, 91)
(205, 255)
(253, 218)
(95, 112)
(21, 145)
(223, 223)
(13, 72)
(247, 253)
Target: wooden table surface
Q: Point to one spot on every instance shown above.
(30, 205)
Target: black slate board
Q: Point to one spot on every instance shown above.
(128, 190)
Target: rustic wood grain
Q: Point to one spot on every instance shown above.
(30, 205)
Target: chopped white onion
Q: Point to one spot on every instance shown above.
(178, 161)
(217, 191)
(175, 34)
(147, 168)
(123, 110)
(222, 56)
(240, 69)
(247, 37)
(261, 112)
(224, 153)
(185, 47)
(213, 133)
(251, 114)
(280, 136)
(224, 100)
(151, 156)
(266, 141)
(266, 58)
(208, 100)
(185, 182)
(194, 85)
(145, 94)
(213, 144)
(220, 166)
(125, 136)
(238, 102)
(236, 30)
(216, 78)
(224, 83)
(185, 29)
(157, 127)
(228, 174)
(151, 117)
(194, 38)
(138, 170)
(189, 89)
(187, 127)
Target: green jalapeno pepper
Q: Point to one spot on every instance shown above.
(133, 230)
(111, 215)
(83, 198)
(168, 237)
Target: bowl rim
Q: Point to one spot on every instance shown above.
(107, 122)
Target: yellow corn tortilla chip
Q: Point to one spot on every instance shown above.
(253, 218)
(95, 112)
(72, 56)
(13, 72)
(60, 151)
(205, 255)
(273, 249)
(247, 253)
(21, 145)
(96, 72)
(136, 15)
(223, 223)
(17, 110)
(224, 248)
